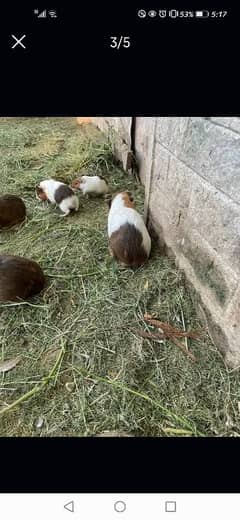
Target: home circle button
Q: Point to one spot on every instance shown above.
(120, 506)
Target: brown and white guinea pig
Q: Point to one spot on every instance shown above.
(58, 193)
(20, 278)
(88, 184)
(129, 240)
(12, 210)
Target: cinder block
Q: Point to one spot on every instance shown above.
(233, 123)
(170, 132)
(224, 329)
(144, 139)
(214, 153)
(218, 219)
(170, 188)
(217, 279)
(231, 324)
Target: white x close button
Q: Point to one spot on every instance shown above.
(18, 41)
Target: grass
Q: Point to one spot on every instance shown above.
(82, 370)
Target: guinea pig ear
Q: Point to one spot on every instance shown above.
(131, 198)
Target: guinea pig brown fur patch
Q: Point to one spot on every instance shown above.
(41, 194)
(126, 245)
(128, 199)
(20, 278)
(12, 210)
(76, 183)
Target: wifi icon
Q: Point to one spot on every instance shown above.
(52, 13)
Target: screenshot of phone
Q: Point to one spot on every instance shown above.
(119, 262)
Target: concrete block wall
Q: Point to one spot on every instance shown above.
(190, 167)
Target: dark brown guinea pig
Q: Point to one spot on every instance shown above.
(20, 278)
(12, 210)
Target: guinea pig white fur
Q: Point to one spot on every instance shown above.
(129, 240)
(91, 184)
(58, 193)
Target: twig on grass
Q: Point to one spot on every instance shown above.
(160, 336)
(166, 328)
(183, 349)
(172, 333)
(149, 335)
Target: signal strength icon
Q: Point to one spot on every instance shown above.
(43, 14)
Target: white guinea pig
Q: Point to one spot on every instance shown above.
(129, 240)
(94, 184)
(58, 193)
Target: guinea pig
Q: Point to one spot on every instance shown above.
(12, 210)
(20, 278)
(94, 184)
(58, 193)
(129, 240)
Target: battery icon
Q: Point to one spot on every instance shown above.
(201, 14)
(173, 13)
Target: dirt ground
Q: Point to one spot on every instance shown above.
(83, 370)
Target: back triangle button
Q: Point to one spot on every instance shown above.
(69, 506)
